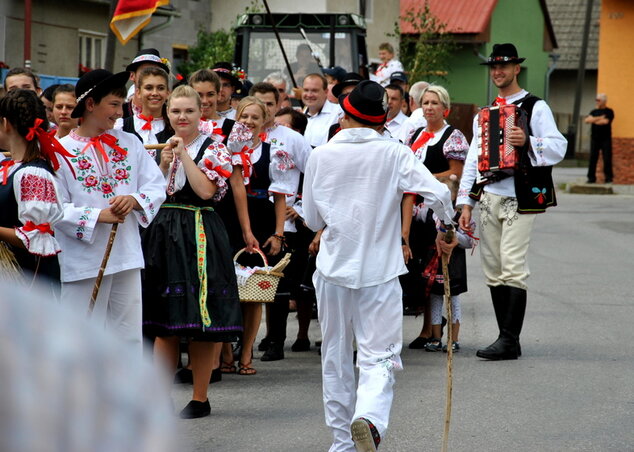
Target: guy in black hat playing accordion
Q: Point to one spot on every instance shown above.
(508, 170)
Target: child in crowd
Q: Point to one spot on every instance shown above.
(29, 202)
(113, 181)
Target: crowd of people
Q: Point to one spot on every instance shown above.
(359, 184)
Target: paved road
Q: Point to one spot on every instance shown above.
(571, 391)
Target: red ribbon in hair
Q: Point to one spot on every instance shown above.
(107, 139)
(219, 169)
(148, 121)
(44, 228)
(4, 168)
(49, 146)
(422, 139)
(499, 101)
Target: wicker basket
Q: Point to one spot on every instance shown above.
(262, 284)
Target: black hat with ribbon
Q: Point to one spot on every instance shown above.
(503, 53)
(367, 103)
(96, 83)
(227, 71)
(351, 79)
(148, 56)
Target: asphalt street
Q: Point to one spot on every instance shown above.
(572, 390)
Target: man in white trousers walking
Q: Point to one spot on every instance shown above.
(353, 189)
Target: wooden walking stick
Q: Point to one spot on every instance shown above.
(449, 236)
(159, 146)
(102, 269)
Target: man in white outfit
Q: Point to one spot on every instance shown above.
(353, 189)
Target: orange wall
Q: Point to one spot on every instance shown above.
(616, 63)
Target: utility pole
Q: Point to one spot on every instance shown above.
(111, 41)
(573, 127)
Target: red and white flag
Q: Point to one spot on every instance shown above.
(130, 16)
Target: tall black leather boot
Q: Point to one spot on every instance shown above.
(509, 310)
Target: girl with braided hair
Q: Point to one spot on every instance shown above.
(29, 204)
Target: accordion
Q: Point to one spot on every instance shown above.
(497, 158)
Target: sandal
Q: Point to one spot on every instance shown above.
(434, 345)
(227, 368)
(246, 369)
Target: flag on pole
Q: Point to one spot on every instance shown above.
(130, 16)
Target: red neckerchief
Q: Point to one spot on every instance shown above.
(422, 139)
(263, 136)
(148, 121)
(4, 168)
(218, 169)
(499, 101)
(44, 228)
(98, 142)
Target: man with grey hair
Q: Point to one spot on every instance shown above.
(600, 138)
(416, 119)
(280, 82)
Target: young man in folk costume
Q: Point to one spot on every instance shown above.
(230, 82)
(508, 204)
(359, 261)
(115, 181)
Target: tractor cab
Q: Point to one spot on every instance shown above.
(311, 41)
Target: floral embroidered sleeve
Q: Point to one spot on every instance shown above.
(39, 208)
(547, 144)
(282, 170)
(216, 164)
(456, 146)
(240, 144)
(151, 188)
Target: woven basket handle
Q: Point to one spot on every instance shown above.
(266, 262)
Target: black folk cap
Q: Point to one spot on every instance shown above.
(503, 53)
(96, 83)
(351, 79)
(367, 103)
(148, 56)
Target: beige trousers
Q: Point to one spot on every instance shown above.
(505, 236)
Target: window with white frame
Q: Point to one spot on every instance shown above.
(92, 49)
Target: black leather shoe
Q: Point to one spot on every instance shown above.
(502, 349)
(195, 409)
(274, 353)
(419, 343)
(301, 345)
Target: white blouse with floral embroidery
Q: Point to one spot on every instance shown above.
(82, 238)
(215, 163)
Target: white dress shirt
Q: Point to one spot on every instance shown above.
(317, 129)
(353, 187)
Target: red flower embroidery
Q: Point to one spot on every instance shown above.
(91, 181)
(106, 188)
(121, 174)
(117, 156)
(83, 163)
(35, 188)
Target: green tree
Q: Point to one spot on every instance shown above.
(214, 46)
(425, 53)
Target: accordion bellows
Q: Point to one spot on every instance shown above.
(496, 155)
